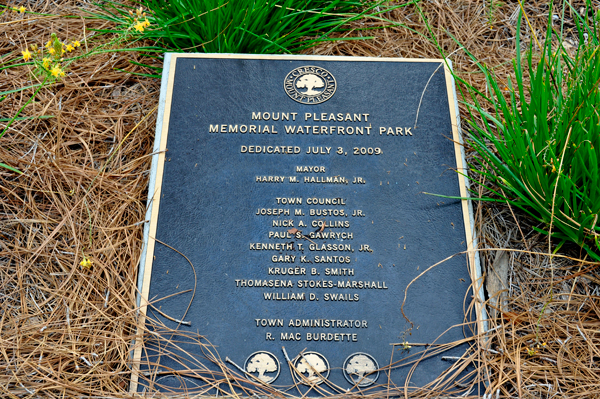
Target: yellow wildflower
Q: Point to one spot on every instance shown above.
(57, 72)
(76, 43)
(49, 44)
(86, 263)
(139, 26)
(70, 48)
(46, 62)
(51, 51)
(21, 9)
(146, 23)
(26, 55)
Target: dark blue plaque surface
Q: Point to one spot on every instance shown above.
(301, 206)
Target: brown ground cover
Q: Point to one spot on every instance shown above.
(85, 149)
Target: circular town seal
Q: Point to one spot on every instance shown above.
(361, 369)
(312, 368)
(263, 365)
(310, 85)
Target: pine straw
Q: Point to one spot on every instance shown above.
(67, 331)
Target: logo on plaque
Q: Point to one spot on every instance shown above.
(361, 369)
(312, 367)
(310, 85)
(263, 365)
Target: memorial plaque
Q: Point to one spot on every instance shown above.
(289, 210)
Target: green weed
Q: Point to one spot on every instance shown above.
(248, 26)
(49, 63)
(48, 66)
(492, 9)
(540, 147)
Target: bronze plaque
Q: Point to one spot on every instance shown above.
(289, 219)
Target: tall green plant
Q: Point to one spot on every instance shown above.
(249, 26)
(541, 144)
